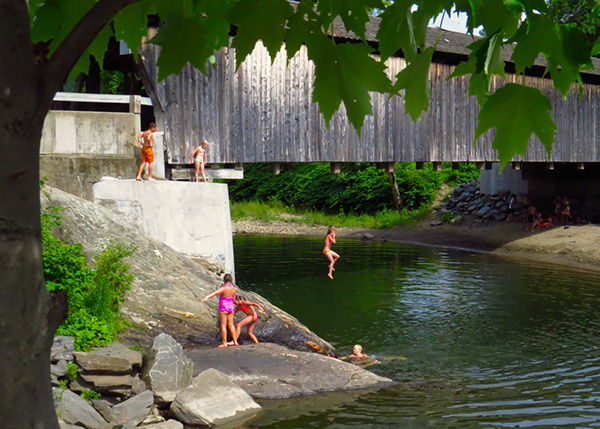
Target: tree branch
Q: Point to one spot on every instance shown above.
(56, 70)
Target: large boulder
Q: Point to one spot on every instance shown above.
(213, 399)
(107, 384)
(166, 369)
(133, 410)
(75, 410)
(168, 287)
(271, 371)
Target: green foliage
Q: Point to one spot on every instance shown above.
(578, 12)
(465, 173)
(112, 82)
(93, 295)
(72, 371)
(274, 211)
(516, 112)
(89, 395)
(359, 188)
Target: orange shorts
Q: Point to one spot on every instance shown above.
(147, 154)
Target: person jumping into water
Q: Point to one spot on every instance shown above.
(331, 255)
(226, 308)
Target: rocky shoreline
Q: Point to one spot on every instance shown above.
(169, 388)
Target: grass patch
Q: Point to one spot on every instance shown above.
(276, 211)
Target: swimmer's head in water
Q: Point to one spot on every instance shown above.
(357, 349)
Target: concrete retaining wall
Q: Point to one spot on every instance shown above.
(79, 148)
(192, 218)
(97, 133)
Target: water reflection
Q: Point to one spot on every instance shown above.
(488, 342)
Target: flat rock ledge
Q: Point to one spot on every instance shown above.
(271, 371)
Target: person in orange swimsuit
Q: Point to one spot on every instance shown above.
(250, 320)
(331, 255)
(146, 139)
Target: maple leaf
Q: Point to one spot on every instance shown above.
(346, 73)
(414, 79)
(396, 31)
(259, 20)
(131, 25)
(353, 13)
(516, 112)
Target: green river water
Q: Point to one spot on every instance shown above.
(473, 340)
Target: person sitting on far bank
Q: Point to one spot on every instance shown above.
(537, 221)
(250, 320)
(546, 223)
(566, 210)
(557, 209)
(531, 215)
(146, 139)
(199, 157)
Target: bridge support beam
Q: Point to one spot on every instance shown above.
(276, 168)
(389, 167)
(437, 166)
(550, 166)
(480, 165)
(581, 166)
(336, 167)
(488, 165)
(419, 165)
(516, 165)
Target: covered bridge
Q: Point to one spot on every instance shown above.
(263, 113)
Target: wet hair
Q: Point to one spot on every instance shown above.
(331, 228)
(359, 347)
(227, 278)
(152, 125)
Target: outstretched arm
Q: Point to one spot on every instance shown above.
(215, 293)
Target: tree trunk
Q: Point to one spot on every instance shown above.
(27, 317)
(395, 191)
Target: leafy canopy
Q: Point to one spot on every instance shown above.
(346, 72)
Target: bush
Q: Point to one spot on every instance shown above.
(93, 296)
(360, 188)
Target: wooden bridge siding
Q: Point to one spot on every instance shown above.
(263, 113)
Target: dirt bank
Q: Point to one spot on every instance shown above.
(576, 246)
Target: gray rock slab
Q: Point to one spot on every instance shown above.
(63, 425)
(99, 363)
(107, 384)
(166, 369)
(436, 223)
(75, 410)
(169, 424)
(271, 371)
(103, 407)
(153, 417)
(213, 399)
(134, 410)
(483, 211)
(62, 348)
(59, 369)
(121, 351)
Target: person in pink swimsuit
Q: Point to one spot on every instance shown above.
(226, 308)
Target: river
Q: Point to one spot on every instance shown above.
(474, 340)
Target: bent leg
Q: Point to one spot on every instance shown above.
(251, 330)
(241, 324)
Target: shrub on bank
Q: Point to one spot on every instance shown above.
(94, 296)
(359, 188)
